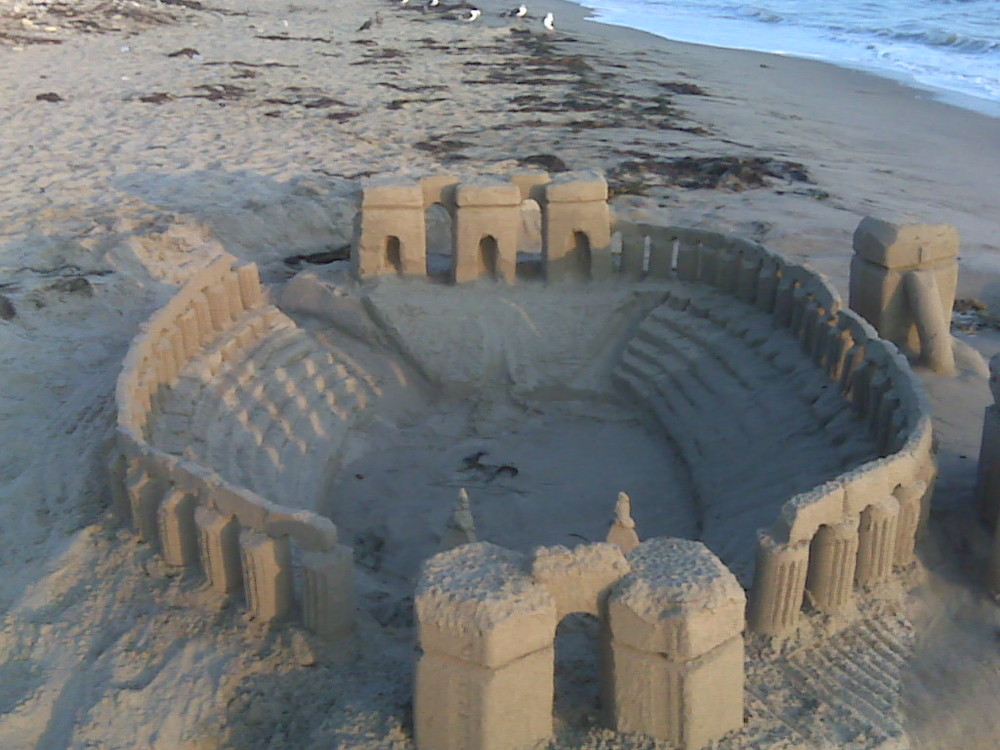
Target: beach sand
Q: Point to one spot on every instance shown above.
(138, 140)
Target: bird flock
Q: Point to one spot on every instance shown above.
(462, 11)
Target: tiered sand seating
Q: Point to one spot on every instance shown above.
(717, 376)
(272, 417)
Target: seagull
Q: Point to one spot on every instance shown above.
(430, 5)
(474, 13)
(549, 22)
(402, 3)
(519, 12)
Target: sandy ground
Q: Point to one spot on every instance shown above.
(139, 139)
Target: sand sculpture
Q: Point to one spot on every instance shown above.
(903, 281)
(672, 612)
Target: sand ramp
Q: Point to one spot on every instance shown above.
(841, 691)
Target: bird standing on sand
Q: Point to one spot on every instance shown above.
(519, 12)
(431, 4)
(549, 22)
(474, 13)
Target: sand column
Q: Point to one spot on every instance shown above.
(487, 230)
(576, 228)
(267, 574)
(779, 585)
(390, 235)
(676, 645)
(832, 561)
(877, 541)
(903, 280)
(328, 592)
(910, 498)
(485, 676)
(178, 532)
(219, 550)
(145, 491)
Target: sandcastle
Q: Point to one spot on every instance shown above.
(850, 424)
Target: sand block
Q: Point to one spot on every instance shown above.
(904, 245)
(689, 704)
(390, 193)
(478, 603)
(485, 192)
(576, 228)
(679, 600)
(530, 183)
(463, 706)
(568, 187)
(579, 579)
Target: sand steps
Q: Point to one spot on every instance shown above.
(743, 404)
(272, 417)
(841, 691)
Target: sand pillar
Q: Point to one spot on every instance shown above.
(389, 234)
(913, 313)
(633, 251)
(767, 284)
(661, 252)
(144, 491)
(747, 275)
(779, 585)
(251, 293)
(688, 257)
(267, 575)
(328, 592)
(576, 228)
(120, 503)
(487, 230)
(833, 557)
(910, 498)
(676, 645)
(877, 541)
(178, 532)
(218, 305)
(485, 628)
(219, 549)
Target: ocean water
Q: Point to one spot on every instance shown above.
(951, 47)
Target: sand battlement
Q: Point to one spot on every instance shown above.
(837, 480)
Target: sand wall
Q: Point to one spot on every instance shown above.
(241, 541)
(856, 528)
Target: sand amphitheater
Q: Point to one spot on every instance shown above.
(776, 451)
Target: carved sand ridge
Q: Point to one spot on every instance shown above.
(796, 424)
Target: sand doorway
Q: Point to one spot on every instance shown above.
(439, 230)
(393, 254)
(489, 253)
(579, 671)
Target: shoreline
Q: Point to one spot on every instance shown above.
(953, 97)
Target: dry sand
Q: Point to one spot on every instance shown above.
(139, 139)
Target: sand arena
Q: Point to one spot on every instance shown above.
(722, 387)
